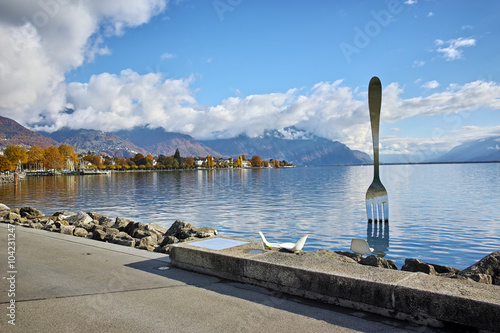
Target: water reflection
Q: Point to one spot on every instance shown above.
(325, 202)
(377, 235)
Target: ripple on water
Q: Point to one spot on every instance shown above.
(430, 219)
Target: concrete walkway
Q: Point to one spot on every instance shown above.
(70, 284)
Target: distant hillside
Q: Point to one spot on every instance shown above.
(12, 133)
(157, 141)
(474, 151)
(97, 141)
(303, 149)
(290, 144)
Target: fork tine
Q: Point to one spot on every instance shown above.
(379, 211)
(369, 212)
(386, 212)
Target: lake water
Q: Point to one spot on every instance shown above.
(446, 214)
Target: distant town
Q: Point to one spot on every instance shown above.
(64, 159)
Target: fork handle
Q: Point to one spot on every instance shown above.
(374, 103)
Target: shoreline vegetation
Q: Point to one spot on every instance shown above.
(152, 237)
(64, 159)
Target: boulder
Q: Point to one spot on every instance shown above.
(121, 224)
(182, 230)
(378, 262)
(99, 233)
(4, 210)
(169, 240)
(486, 270)
(134, 227)
(36, 225)
(350, 255)
(95, 216)
(79, 219)
(81, 232)
(29, 212)
(12, 216)
(155, 229)
(121, 238)
(415, 265)
(147, 243)
(105, 221)
(67, 229)
(63, 215)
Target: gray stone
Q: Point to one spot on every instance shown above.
(80, 232)
(182, 230)
(12, 216)
(415, 265)
(146, 243)
(168, 240)
(63, 215)
(486, 270)
(378, 262)
(30, 212)
(67, 229)
(350, 255)
(121, 224)
(4, 210)
(99, 233)
(95, 216)
(79, 219)
(106, 221)
(36, 225)
(122, 238)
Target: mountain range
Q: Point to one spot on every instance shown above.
(474, 151)
(12, 133)
(293, 145)
(290, 144)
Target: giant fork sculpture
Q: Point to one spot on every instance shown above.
(377, 201)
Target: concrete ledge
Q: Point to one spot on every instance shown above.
(417, 297)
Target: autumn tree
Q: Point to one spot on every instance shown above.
(68, 154)
(139, 159)
(256, 161)
(175, 164)
(35, 156)
(5, 164)
(15, 154)
(53, 159)
(93, 159)
(189, 162)
(210, 161)
(149, 161)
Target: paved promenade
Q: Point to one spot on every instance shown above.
(69, 284)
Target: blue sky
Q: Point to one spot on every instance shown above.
(220, 68)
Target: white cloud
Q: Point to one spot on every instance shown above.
(418, 63)
(42, 40)
(471, 96)
(431, 14)
(431, 84)
(411, 2)
(167, 56)
(453, 50)
(39, 45)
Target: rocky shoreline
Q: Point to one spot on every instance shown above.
(155, 238)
